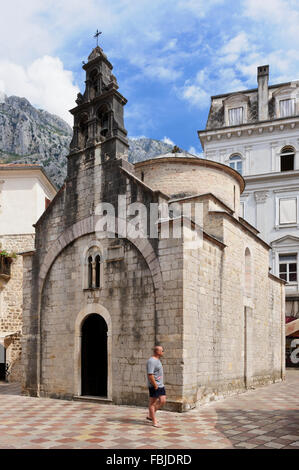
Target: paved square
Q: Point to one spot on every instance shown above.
(265, 418)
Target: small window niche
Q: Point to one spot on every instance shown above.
(93, 269)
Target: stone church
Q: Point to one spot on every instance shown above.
(94, 306)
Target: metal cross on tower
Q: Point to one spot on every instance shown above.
(97, 34)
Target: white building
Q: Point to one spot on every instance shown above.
(25, 192)
(257, 132)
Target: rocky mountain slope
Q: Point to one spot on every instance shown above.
(30, 135)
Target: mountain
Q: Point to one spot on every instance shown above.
(30, 135)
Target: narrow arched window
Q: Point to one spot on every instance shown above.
(287, 159)
(103, 120)
(83, 131)
(248, 273)
(98, 271)
(236, 163)
(90, 272)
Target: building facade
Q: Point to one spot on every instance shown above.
(97, 298)
(25, 191)
(257, 133)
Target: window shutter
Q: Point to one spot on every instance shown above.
(288, 211)
(235, 116)
(287, 107)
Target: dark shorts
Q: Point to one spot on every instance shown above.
(156, 393)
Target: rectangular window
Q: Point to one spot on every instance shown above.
(235, 116)
(288, 267)
(287, 107)
(288, 211)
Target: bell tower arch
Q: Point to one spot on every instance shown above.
(102, 107)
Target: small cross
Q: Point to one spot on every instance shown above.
(97, 36)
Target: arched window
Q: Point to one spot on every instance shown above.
(83, 131)
(90, 272)
(103, 120)
(98, 271)
(94, 84)
(248, 273)
(236, 163)
(93, 269)
(287, 159)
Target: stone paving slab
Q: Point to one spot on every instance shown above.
(265, 418)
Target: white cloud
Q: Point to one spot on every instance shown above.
(271, 11)
(195, 95)
(235, 47)
(45, 83)
(167, 140)
(199, 8)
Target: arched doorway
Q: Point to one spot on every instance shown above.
(94, 356)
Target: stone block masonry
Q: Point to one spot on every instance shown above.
(11, 303)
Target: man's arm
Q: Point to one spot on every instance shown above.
(152, 381)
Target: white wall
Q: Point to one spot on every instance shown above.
(22, 202)
(260, 152)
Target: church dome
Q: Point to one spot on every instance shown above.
(182, 175)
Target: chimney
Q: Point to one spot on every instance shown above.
(263, 96)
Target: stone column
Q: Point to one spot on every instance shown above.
(93, 274)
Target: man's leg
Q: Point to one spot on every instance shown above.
(161, 402)
(152, 409)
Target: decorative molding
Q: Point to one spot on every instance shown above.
(261, 196)
(286, 190)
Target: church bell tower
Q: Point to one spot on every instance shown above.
(99, 114)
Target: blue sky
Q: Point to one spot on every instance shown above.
(169, 56)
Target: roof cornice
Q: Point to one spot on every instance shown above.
(248, 129)
(41, 173)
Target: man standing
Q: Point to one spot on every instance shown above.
(155, 384)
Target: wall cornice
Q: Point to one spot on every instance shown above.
(247, 130)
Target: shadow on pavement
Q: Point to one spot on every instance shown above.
(259, 428)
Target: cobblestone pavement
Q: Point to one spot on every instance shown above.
(265, 418)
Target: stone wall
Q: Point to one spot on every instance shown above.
(11, 302)
(184, 177)
(127, 293)
(233, 334)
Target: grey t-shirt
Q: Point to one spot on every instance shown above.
(154, 366)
